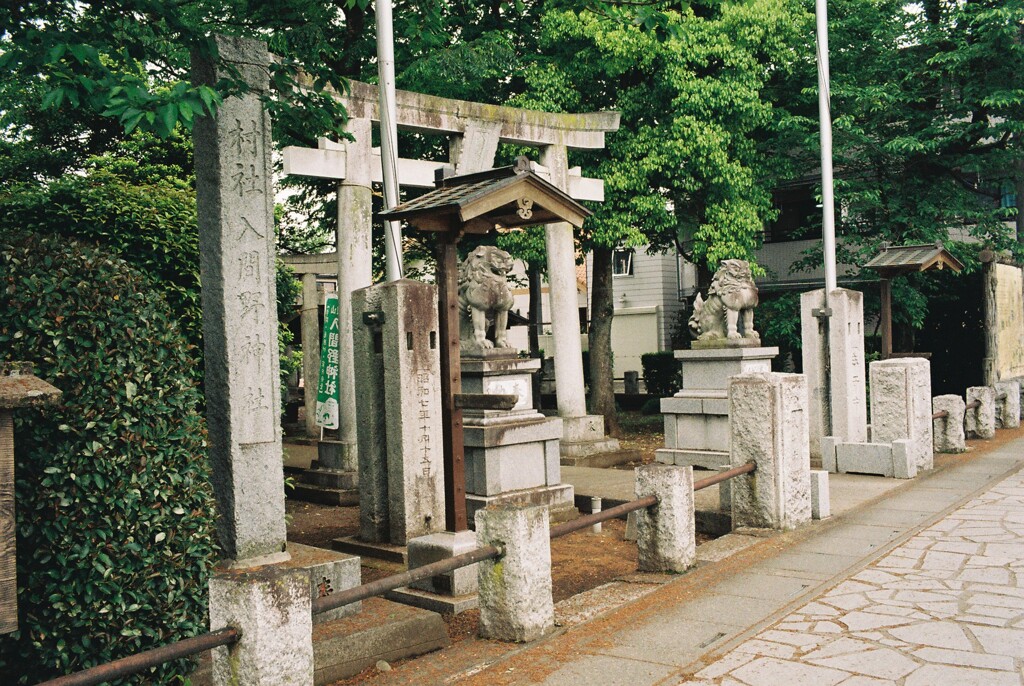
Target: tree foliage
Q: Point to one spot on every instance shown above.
(115, 512)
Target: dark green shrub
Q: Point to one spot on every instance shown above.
(115, 512)
(662, 373)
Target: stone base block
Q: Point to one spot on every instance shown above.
(336, 456)
(384, 630)
(329, 572)
(559, 499)
(444, 546)
(377, 551)
(708, 459)
(517, 458)
(894, 461)
(710, 369)
(821, 505)
(585, 435)
(327, 487)
(577, 449)
(435, 602)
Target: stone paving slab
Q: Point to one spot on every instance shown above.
(944, 607)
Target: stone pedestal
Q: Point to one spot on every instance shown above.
(512, 456)
(697, 417)
(666, 533)
(332, 478)
(980, 422)
(450, 593)
(329, 572)
(833, 361)
(948, 431)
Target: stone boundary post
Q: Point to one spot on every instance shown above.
(271, 608)
(666, 532)
(1008, 414)
(515, 589)
(768, 424)
(980, 422)
(948, 432)
(901, 391)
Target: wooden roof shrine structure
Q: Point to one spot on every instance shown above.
(905, 259)
(506, 197)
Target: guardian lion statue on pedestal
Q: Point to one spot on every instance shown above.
(484, 295)
(728, 312)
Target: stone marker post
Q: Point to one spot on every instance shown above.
(1008, 416)
(666, 532)
(310, 320)
(401, 470)
(515, 589)
(768, 423)
(833, 362)
(901, 406)
(948, 432)
(980, 422)
(235, 200)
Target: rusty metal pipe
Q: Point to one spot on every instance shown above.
(941, 414)
(973, 405)
(602, 516)
(389, 583)
(724, 476)
(135, 664)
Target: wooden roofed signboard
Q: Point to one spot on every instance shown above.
(477, 203)
(508, 197)
(905, 259)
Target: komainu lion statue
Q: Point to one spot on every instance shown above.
(732, 294)
(484, 295)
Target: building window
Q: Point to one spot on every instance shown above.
(1008, 195)
(799, 215)
(622, 262)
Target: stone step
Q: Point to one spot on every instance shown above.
(325, 496)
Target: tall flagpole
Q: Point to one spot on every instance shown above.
(388, 136)
(828, 219)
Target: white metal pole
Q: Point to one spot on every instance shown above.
(828, 219)
(388, 136)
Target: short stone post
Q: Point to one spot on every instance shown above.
(270, 606)
(515, 589)
(768, 425)
(948, 431)
(821, 503)
(901, 407)
(666, 532)
(1008, 414)
(310, 322)
(980, 422)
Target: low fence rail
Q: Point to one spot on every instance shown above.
(136, 664)
(141, 662)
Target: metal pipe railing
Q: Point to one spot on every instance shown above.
(136, 664)
(724, 476)
(973, 405)
(941, 414)
(602, 516)
(390, 583)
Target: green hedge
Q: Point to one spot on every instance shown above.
(115, 514)
(662, 373)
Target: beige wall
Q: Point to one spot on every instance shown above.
(1010, 321)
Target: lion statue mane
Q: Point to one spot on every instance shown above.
(728, 311)
(484, 295)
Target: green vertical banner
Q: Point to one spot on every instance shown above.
(327, 393)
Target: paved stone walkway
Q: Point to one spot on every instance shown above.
(945, 607)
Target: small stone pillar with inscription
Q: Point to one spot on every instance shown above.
(401, 470)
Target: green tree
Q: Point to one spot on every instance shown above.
(684, 171)
(928, 110)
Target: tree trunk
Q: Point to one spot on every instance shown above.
(536, 314)
(602, 308)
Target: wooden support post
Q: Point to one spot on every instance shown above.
(451, 381)
(8, 572)
(886, 317)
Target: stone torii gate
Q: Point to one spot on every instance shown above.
(474, 131)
